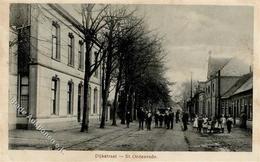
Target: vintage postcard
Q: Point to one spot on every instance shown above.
(129, 81)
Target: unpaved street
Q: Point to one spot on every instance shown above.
(120, 138)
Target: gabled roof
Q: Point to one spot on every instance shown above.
(215, 64)
(240, 83)
(248, 85)
(228, 66)
(235, 67)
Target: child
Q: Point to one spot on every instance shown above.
(195, 122)
(209, 125)
(205, 124)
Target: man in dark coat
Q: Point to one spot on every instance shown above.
(171, 118)
(185, 119)
(149, 120)
(200, 123)
(166, 119)
(141, 116)
(230, 121)
(128, 118)
(243, 120)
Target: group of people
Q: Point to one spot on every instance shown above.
(203, 124)
(144, 116)
(161, 119)
(165, 119)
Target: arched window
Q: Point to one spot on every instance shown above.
(70, 97)
(81, 55)
(55, 41)
(54, 95)
(71, 50)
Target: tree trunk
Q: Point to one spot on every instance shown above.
(127, 95)
(105, 97)
(118, 85)
(85, 118)
(103, 112)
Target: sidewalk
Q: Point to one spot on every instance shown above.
(237, 140)
(33, 139)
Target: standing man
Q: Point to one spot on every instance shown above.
(229, 123)
(141, 115)
(149, 120)
(243, 119)
(185, 119)
(200, 123)
(166, 120)
(171, 118)
(128, 118)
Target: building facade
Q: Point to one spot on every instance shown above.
(50, 69)
(222, 74)
(238, 101)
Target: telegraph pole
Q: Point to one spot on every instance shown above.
(190, 110)
(191, 85)
(219, 97)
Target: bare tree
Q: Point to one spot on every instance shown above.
(91, 27)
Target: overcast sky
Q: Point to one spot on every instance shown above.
(192, 31)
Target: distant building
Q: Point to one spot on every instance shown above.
(48, 69)
(222, 74)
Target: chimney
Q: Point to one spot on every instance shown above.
(250, 69)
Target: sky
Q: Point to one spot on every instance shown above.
(190, 32)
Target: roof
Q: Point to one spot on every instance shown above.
(215, 64)
(235, 67)
(248, 85)
(243, 79)
(228, 66)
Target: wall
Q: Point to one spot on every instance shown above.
(12, 79)
(43, 68)
(48, 68)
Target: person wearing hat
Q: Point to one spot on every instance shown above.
(171, 118)
(128, 118)
(156, 118)
(149, 120)
(141, 117)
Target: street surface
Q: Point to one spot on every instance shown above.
(121, 138)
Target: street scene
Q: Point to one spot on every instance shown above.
(123, 139)
(130, 77)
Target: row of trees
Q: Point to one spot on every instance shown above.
(131, 58)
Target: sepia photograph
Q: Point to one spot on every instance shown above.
(130, 77)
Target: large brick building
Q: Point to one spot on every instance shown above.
(47, 70)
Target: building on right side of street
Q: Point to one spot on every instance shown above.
(227, 90)
(222, 74)
(237, 101)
